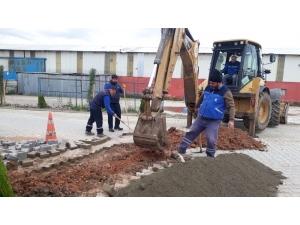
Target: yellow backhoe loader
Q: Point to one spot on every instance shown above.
(150, 130)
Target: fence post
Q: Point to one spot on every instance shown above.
(134, 96)
(76, 92)
(81, 91)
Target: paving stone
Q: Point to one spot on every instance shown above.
(135, 177)
(44, 155)
(32, 142)
(18, 146)
(29, 146)
(71, 145)
(4, 155)
(53, 152)
(61, 150)
(109, 190)
(120, 185)
(22, 155)
(45, 148)
(32, 154)
(85, 146)
(27, 163)
(52, 141)
(25, 150)
(8, 143)
(37, 148)
(157, 166)
(13, 157)
(102, 194)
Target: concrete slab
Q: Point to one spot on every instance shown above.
(22, 155)
(32, 154)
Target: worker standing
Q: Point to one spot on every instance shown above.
(213, 102)
(115, 103)
(100, 101)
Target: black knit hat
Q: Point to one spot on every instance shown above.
(215, 76)
(114, 76)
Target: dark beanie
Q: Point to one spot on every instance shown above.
(215, 76)
(114, 76)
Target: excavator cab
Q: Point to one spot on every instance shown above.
(150, 130)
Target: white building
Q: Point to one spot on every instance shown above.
(137, 62)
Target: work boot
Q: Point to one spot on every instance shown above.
(89, 133)
(100, 135)
(111, 130)
(118, 128)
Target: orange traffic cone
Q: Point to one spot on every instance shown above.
(50, 133)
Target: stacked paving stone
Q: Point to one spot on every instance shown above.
(23, 152)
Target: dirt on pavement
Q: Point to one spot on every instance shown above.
(85, 177)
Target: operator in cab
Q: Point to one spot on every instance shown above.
(231, 69)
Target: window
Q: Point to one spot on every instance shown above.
(283, 92)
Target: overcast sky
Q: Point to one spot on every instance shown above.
(135, 23)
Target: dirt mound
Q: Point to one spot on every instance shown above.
(227, 175)
(228, 139)
(86, 176)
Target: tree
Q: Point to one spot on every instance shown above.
(91, 90)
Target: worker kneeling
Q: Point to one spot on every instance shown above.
(213, 102)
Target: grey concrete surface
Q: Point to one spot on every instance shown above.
(283, 145)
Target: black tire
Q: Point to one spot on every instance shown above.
(225, 118)
(275, 115)
(263, 113)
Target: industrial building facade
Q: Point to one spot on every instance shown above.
(137, 62)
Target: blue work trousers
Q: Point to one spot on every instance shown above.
(211, 128)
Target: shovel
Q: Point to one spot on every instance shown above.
(124, 123)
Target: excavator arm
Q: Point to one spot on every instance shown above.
(150, 130)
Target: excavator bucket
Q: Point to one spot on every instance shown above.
(151, 133)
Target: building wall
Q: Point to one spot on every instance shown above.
(141, 64)
(93, 60)
(292, 68)
(68, 62)
(204, 64)
(50, 62)
(121, 64)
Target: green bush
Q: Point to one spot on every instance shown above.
(5, 188)
(41, 102)
(142, 106)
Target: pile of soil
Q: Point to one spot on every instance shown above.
(227, 175)
(228, 139)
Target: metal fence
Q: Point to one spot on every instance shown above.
(73, 86)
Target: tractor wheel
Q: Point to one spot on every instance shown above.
(225, 118)
(263, 113)
(275, 115)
